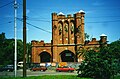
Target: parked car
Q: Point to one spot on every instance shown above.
(9, 68)
(65, 69)
(20, 65)
(38, 68)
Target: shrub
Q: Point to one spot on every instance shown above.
(99, 65)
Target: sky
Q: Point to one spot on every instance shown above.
(101, 17)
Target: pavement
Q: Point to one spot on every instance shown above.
(36, 73)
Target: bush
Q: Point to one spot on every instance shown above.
(99, 65)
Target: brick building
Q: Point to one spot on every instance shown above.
(67, 38)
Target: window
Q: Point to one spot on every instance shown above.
(72, 28)
(78, 30)
(60, 29)
(54, 27)
(66, 27)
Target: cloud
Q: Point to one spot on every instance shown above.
(27, 11)
(9, 16)
(97, 3)
(89, 11)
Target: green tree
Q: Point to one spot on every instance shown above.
(7, 49)
(2, 45)
(87, 36)
(19, 50)
(115, 49)
(29, 53)
(6, 52)
(99, 65)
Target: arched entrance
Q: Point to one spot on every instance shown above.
(67, 56)
(45, 57)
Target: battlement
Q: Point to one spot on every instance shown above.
(40, 43)
(61, 15)
(103, 39)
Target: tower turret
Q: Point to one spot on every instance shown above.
(54, 28)
(103, 39)
(79, 33)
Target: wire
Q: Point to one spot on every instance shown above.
(104, 17)
(34, 26)
(117, 17)
(85, 22)
(104, 21)
(39, 20)
(38, 27)
(7, 22)
(6, 4)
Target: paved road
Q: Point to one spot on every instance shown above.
(37, 73)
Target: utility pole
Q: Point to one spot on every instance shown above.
(24, 38)
(15, 24)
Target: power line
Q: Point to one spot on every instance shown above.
(39, 20)
(104, 17)
(34, 26)
(104, 21)
(6, 4)
(107, 21)
(117, 17)
(40, 17)
(38, 27)
(6, 22)
(43, 18)
(85, 22)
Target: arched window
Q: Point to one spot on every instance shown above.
(55, 27)
(72, 28)
(79, 27)
(60, 28)
(66, 27)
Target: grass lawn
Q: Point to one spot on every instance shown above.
(51, 77)
(46, 77)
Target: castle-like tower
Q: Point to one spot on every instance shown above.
(67, 39)
(68, 29)
(67, 32)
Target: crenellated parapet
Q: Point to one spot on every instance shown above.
(40, 43)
